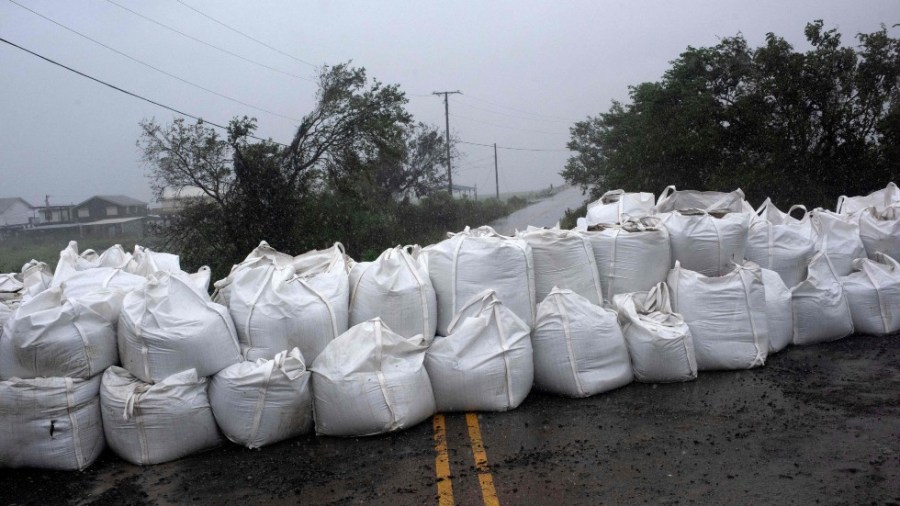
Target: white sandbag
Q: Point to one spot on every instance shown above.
(726, 315)
(485, 362)
(5, 314)
(707, 242)
(396, 288)
(880, 231)
(70, 262)
(114, 256)
(779, 313)
(371, 380)
(631, 257)
(151, 424)
(873, 293)
(169, 325)
(659, 341)
(280, 302)
(838, 236)
(880, 199)
(50, 423)
(36, 277)
(579, 349)
(679, 200)
(616, 204)
(781, 243)
(821, 310)
(475, 259)
(9, 283)
(564, 259)
(51, 335)
(145, 262)
(263, 402)
(82, 283)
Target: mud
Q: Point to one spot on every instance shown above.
(817, 425)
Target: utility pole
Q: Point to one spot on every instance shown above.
(496, 174)
(447, 121)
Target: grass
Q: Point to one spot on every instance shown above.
(16, 251)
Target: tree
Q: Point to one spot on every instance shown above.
(795, 126)
(352, 155)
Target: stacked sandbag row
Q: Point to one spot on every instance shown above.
(54, 347)
(96, 311)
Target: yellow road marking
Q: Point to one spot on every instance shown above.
(442, 462)
(488, 493)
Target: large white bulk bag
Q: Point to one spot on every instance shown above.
(615, 205)
(5, 313)
(475, 259)
(880, 231)
(565, 259)
(145, 262)
(779, 311)
(873, 293)
(631, 257)
(679, 200)
(51, 335)
(71, 262)
(880, 199)
(485, 362)
(151, 424)
(821, 310)
(781, 243)
(114, 256)
(9, 283)
(169, 325)
(396, 288)
(726, 314)
(371, 380)
(82, 283)
(36, 277)
(707, 242)
(50, 423)
(280, 302)
(579, 349)
(263, 402)
(659, 341)
(838, 236)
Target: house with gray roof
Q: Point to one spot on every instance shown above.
(106, 207)
(15, 212)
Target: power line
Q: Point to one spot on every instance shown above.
(157, 69)
(217, 48)
(235, 30)
(507, 127)
(514, 149)
(135, 95)
(517, 110)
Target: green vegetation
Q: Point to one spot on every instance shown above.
(799, 127)
(17, 251)
(356, 163)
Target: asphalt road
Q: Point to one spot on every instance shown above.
(545, 213)
(816, 425)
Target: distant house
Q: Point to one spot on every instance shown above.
(105, 207)
(47, 215)
(15, 212)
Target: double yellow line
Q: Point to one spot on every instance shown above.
(442, 462)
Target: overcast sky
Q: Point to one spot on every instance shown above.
(527, 71)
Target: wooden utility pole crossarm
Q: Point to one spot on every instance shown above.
(447, 121)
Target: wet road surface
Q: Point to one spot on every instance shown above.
(819, 424)
(545, 213)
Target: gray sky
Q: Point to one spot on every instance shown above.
(527, 69)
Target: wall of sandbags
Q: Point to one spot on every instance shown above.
(125, 350)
